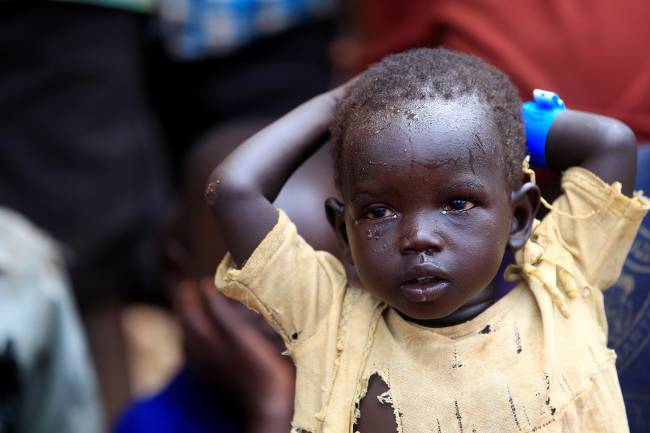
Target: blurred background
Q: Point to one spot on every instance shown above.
(113, 113)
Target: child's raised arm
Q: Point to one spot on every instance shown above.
(603, 145)
(242, 188)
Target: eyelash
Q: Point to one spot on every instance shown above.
(367, 214)
(446, 209)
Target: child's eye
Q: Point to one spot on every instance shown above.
(379, 212)
(457, 205)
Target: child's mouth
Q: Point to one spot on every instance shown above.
(424, 289)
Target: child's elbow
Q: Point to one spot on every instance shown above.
(224, 186)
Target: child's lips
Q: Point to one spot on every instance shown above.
(425, 283)
(424, 289)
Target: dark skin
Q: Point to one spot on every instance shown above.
(421, 203)
(411, 245)
(227, 344)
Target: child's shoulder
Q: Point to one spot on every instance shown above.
(585, 195)
(581, 244)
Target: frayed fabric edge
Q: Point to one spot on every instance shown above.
(384, 398)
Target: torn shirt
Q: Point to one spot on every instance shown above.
(535, 361)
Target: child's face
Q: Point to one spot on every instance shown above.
(427, 206)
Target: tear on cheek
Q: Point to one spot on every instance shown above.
(373, 234)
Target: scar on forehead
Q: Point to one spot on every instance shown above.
(471, 161)
(479, 143)
(435, 163)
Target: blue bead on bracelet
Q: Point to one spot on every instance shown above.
(538, 116)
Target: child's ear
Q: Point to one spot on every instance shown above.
(335, 211)
(525, 203)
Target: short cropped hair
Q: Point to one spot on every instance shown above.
(427, 73)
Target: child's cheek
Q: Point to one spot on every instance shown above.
(380, 239)
(382, 253)
(373, 242)
(371, 247)
(373, 234)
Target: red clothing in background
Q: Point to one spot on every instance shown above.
(594, 53)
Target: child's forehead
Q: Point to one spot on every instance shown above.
(426, 144)
(428, 129)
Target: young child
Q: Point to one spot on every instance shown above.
(428, 151)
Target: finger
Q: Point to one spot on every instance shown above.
(233, 326)
(197, 327)
(181, 296)
(218, 311)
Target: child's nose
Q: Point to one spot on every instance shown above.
(421, 237)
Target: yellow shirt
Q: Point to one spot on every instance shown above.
(535, 361)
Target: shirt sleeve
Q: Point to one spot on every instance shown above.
(289, 283)
(594, 225)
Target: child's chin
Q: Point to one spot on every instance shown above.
(429, 312)
(440, 313)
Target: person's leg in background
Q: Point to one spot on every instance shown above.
(80, 156)
(628, 314)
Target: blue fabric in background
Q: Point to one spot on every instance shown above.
(628, 312)
(186, 405)
(198, 29)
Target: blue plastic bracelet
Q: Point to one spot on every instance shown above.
(538, 116)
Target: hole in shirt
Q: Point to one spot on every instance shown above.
(377, 413)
